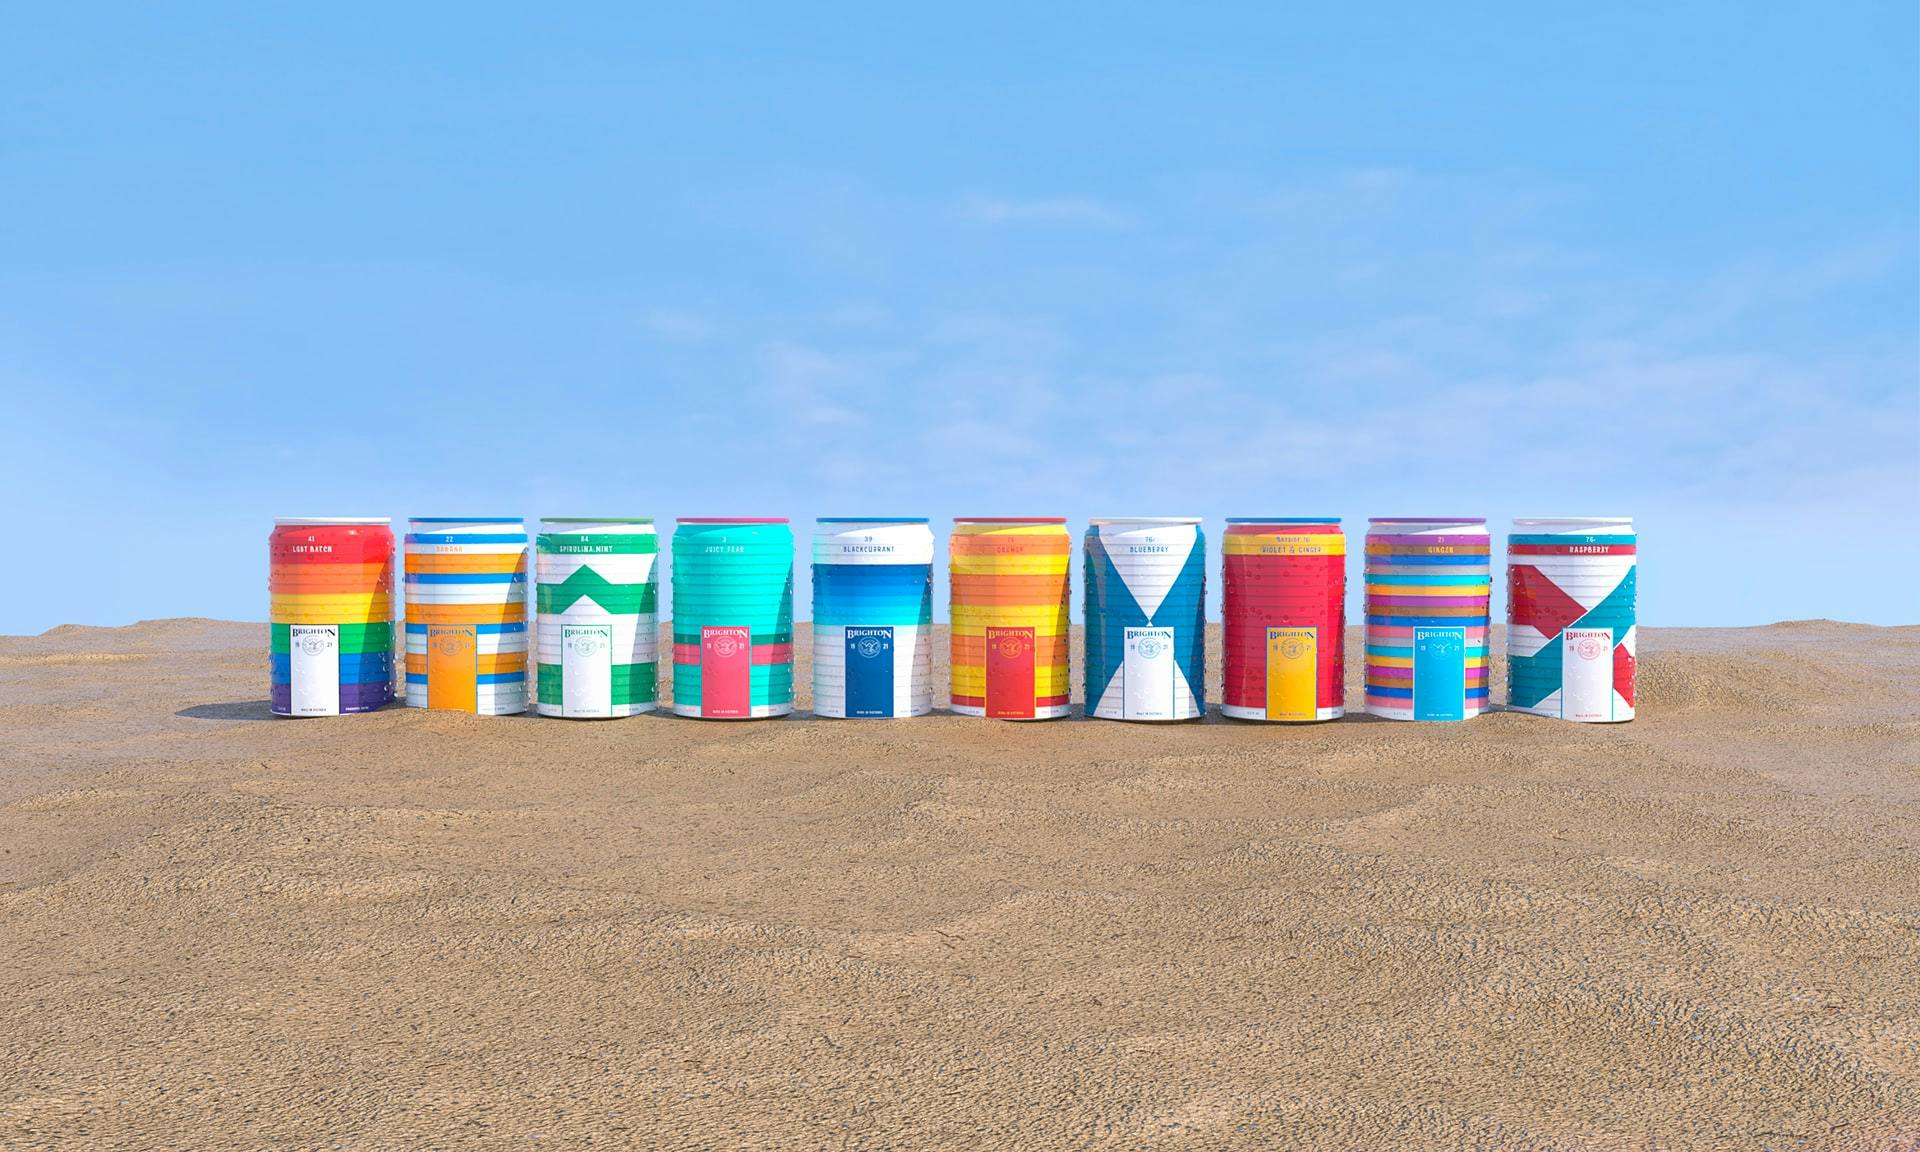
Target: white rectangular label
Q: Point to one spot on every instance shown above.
(1586, 674)
(314, 668)
(1147, 676)
(586, 670)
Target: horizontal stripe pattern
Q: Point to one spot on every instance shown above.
(337, 578)
(1428, 589)
(1015, 576)
(732, 577)
(469, 578)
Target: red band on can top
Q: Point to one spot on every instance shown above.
(1009, 519)
(1572, 549)
(330, 544)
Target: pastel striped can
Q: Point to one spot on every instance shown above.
(330, 644)
(732, 618)
(596, 617)
(1428, 589)
(872, 617)
(1572, 617)
(466, 591)
(1284, 603)
(1146, 633)
(1010, 594)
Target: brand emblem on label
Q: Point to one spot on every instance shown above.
(869, 646)
(1293, 647)
(1011, 645)
(312, 645)
(725, 645)
(1590, 647)
(586, 644)
(1152, 646)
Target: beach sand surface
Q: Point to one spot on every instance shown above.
(1700, 930)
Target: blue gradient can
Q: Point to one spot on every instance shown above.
(872, 617)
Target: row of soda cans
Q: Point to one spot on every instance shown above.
(1570, 648)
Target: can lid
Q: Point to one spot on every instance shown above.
(1145, 520)
(1283, 519)
(732, 520)
(1009, 519)
(596, 519)
(872, 520)
(322, 521)
(1426, 519)
(1575, 521)
(467, 520)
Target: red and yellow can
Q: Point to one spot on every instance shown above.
(1011, 590)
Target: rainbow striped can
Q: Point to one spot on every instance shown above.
(1146, 639)
(330, 636)
(597, 617)
(1428, 590)
(1572, 617)
(466, 606)
(732, 618)
(1010, 636)
(872, 617)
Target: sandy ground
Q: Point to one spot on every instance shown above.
(1699, 930)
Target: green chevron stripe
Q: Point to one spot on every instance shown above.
(585, 583)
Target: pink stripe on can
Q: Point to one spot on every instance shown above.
(1449, 541)
(1428, 601)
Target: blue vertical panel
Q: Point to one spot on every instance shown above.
(869, 671)
(1439, 673)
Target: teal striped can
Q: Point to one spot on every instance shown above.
(732, 618)
(596, 619)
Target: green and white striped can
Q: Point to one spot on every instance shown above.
(597, 617)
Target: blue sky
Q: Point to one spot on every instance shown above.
(1412, 259)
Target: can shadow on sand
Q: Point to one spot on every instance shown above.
(237, 710)
(263, 710)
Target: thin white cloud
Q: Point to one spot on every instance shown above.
(812, 388)
(1063, 211)
(679, 326)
